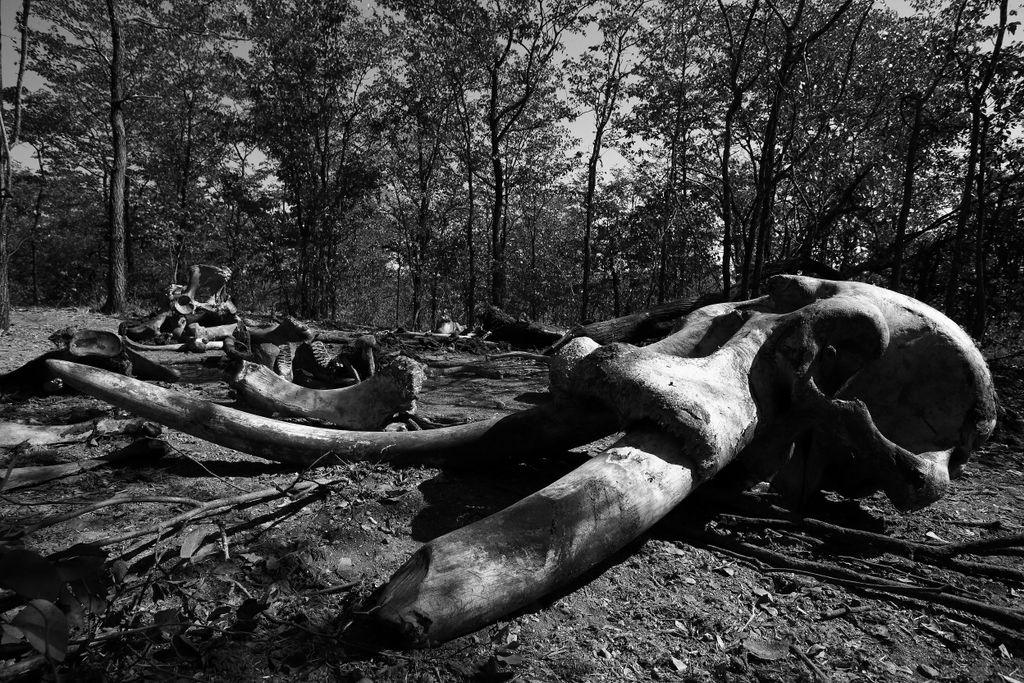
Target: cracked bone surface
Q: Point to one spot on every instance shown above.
(364, 406)
(816, 385)
(735, 386)
(206, 285)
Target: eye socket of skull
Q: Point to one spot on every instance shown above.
(832, 339)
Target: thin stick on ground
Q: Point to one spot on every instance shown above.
(845, 577)
(935, 555)
(201, 510)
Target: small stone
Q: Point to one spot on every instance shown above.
(927, 671)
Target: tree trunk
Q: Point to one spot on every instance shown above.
(737, 89)
(730, 115)
(909, 169)
(762, 224)
(497, 243)
(646, 325)
(977, 101)
(980, 303)
(6, 173)
(470, 253)
(117, 283)
(588, 223)
(498, 209)
(5, 260)
(967, 195)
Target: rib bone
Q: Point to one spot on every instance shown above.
(549, 428)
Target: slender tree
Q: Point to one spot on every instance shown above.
(977, 78)
(117, 277)
(596, 82)
(6, 167)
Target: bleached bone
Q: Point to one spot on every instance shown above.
(365, 406)
(14, 434)
(542, 429)
(208, 280)
(146, 448)
(860, 388)
(209, 334)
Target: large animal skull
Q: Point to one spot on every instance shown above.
(817, 385)
(854, 389)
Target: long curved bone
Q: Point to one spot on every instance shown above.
(547, 428)
(364, 406)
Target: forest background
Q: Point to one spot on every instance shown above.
(403, 162)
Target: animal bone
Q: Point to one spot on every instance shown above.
(860, 388)
(146, 449)
(207, 280)
(92, 347)
(14, 434)
(208, 334)
(364, 406)
(542, 429)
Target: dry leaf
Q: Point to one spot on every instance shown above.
(765, 650)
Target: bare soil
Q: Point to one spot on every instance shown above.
(270, 591)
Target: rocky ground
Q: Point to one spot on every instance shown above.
(728, 588)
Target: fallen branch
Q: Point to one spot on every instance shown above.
(638, 327)
(468, 368)
(222, 534)
(818, 673)
(539, 357)
(937, 555)
(201, 510)
(436, 336)
(14, 671)
(853, 579)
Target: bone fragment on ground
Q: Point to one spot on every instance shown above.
(147, 368)
(365, 406)
(205, 288)
(196, 346)
(468, 578)
(283, 332)
(215, 333)
(360, 362)
(144, 330)
(146, 448)
(13, 433)
(92, 347)
(314, 366)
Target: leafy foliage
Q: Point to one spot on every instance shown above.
(398, 163)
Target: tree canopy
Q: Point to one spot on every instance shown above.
(405, 162)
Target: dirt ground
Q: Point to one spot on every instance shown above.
(726, 589)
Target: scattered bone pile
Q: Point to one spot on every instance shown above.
(815, 386)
